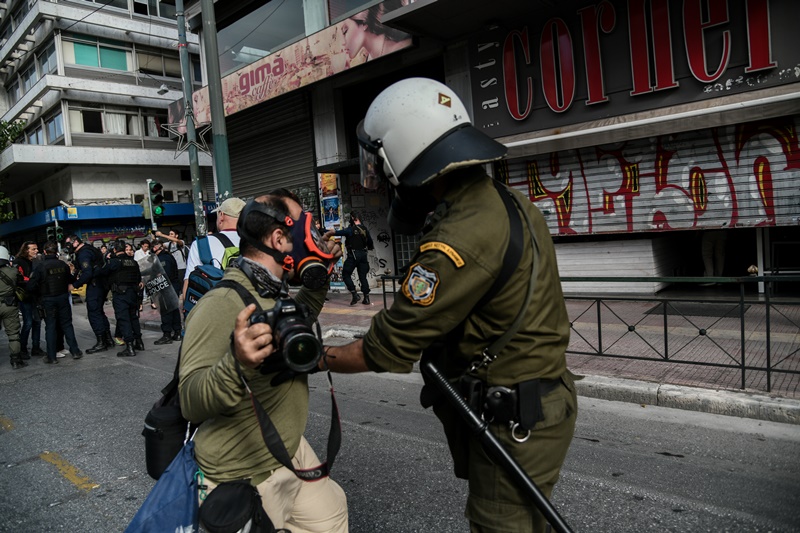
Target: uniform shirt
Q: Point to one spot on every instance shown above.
(13, 276)
(41, 281)
(457, 262)
(217, 251)
(228, 444)
(87, 258)
(355, 242)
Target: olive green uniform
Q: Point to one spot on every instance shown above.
(228, 444)
(9, 311)
(458, 260)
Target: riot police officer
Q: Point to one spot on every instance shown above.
(10, 278)
(358, 241)
(126, 280)
(52, 281)
(483, 293)
(90, 261)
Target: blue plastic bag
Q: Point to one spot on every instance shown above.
(172, 505)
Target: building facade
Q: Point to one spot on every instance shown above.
(92, 80)
(636, 126)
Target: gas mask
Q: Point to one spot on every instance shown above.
(308, 259)
(312, 263)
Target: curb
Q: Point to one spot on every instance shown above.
(721, 402)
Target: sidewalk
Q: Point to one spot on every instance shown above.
(643, 382)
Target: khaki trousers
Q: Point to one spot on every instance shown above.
(302, 506)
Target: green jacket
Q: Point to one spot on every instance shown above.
(228, 444)
(456, 263)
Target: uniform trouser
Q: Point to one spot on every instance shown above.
(9, 314)
(302, 506)
(170, 321)
(31, 324)
(495, 504)
(126, 311)
(356, 260)
(95, 298)
(58, 318)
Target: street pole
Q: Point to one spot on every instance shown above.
(191, 133)
(153, 225)
(55, 219)
(222, 160)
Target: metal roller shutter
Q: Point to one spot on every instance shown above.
(271, 146)
(734, 176)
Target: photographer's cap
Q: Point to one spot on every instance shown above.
(231, 207)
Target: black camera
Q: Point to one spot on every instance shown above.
(293, 330)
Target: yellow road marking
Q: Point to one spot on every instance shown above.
(6, 423)
(71, 473)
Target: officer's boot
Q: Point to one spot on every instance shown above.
(166, 338)
(138, 344)
(354, 301)
(176, 335)
(99, 347)
(365, 301)
(109, 339)
(17, 362)
(129, 350)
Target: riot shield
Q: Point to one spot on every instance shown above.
(157, 284)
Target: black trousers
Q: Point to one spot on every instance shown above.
(126, 311)
(356, 260)
(170, 321)
(58, 319)
(95, 298)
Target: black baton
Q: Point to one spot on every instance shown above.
(493, 446)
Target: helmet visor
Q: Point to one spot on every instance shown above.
(370, 162)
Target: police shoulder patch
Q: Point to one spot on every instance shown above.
(446, 249)
(420, 285)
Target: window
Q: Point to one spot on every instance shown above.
(268, 28)
(121, 4)
(86, 120)
(197, 70)
(91, 52)
(28, 77)
(47, 60)
(154, 120)
(93, 118)
(13, 92)
(36, 136)
(157, 64)
(55, 128)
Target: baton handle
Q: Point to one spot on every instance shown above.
(480, 428)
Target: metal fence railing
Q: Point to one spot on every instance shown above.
(732, 328)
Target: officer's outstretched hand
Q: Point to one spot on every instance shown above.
(252, 344)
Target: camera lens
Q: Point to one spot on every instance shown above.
(302, 351)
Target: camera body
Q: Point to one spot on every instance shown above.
(293, 331)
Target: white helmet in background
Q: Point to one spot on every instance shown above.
(416, 130)
(4, 255)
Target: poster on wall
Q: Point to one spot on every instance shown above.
(331, 216)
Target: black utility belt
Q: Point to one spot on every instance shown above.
(518, 406)
(121, 289)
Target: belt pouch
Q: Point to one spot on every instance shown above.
(232, 506)
(529, 395)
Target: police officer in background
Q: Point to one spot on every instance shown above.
(126, 280)
(357, 243)
(9, 307)
(90, 262)
(52, 280)
(418, 136)
(170, 320)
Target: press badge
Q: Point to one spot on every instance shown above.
(420, 285)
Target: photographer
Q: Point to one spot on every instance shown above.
(218, 338)
(498, 328)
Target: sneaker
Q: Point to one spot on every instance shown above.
(62, 353)
(119, 341)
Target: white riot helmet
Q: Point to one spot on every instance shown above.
(4, 255)
(416, 130)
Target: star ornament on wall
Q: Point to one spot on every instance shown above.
(179, 130)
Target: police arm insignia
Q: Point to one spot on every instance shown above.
(446, 249)
(420, 285)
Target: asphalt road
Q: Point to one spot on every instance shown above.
(73, 457)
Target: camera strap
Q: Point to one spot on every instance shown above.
(268, 432)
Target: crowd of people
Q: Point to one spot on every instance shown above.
(36, 287)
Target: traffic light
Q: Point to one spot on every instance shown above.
(59, 234)
(156, 199)
(145, 208)
(51, 234)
